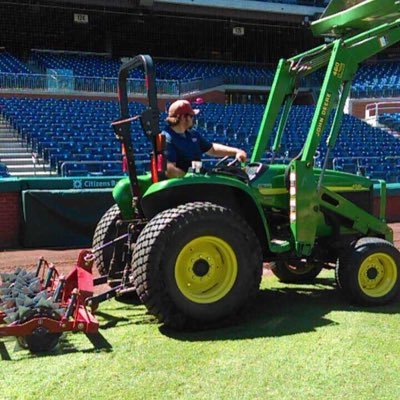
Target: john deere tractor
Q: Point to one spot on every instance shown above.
(193, 247)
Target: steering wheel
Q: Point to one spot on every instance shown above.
(229, 164)
(231, 168)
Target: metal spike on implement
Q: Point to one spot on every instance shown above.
(8, 303)
(23, 300)
(12, 317)
(34, 285)
(5, 291)
(40, 295)
(22, 310)
(43, 302)
(8, 277)
(21, 280)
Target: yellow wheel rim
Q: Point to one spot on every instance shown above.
(206, 269)
(377, 275)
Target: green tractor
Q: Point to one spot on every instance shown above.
(193, 248)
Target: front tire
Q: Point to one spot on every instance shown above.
(196, 264)
(369, 273)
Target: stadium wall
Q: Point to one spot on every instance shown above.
(63, 212)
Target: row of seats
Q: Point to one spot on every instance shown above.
(11, 64)
(372, 80)
(377, 80)
(91, 65)
(78, 131)
(391, 120)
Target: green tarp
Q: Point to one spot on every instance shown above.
(62, 218)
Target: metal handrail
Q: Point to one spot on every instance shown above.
(66, 163)
(86, 84)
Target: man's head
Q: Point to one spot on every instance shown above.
(181, 113)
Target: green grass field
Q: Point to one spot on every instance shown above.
(297, 342)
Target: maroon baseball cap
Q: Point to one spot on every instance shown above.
(181, 107)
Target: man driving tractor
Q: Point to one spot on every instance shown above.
(185, 145)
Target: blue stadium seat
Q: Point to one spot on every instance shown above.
(11, 64)
(78, 131)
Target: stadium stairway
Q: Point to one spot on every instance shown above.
(16, 156)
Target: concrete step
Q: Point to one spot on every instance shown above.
(21, 161)
(12, 142)
(9, 136)
(24, 168)
(16, 161)
(15, 156)
(14, 150)
(21, 154)
(4, 131)
(38, 173)
(10, 145)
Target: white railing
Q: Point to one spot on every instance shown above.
(97, 164)
(81, 84)
(373, 110)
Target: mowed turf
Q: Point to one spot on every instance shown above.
(296, 342)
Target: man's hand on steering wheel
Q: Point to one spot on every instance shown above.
(241, 155)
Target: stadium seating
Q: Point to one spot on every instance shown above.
(78, 132)
(391, 120)
(100, 66)
(68, 130)
(79, 64)
(377, 80)
(372, 80)
(11, 64)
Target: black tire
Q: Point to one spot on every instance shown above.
(105, 232)
(369, 273)
(165, 242)
(303, 273)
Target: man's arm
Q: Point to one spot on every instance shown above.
(221, 150)
(173, 171)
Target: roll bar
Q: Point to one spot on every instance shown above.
(149, 118)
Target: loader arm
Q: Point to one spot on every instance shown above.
(362, 30)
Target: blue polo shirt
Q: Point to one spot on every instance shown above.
(182, 149)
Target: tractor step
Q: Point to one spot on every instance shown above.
(279, 246)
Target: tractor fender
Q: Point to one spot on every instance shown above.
(122, 194)
(226, 192)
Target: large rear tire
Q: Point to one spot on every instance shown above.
(302, 273)
(196, 264)
(369, 273)
(104, 233)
